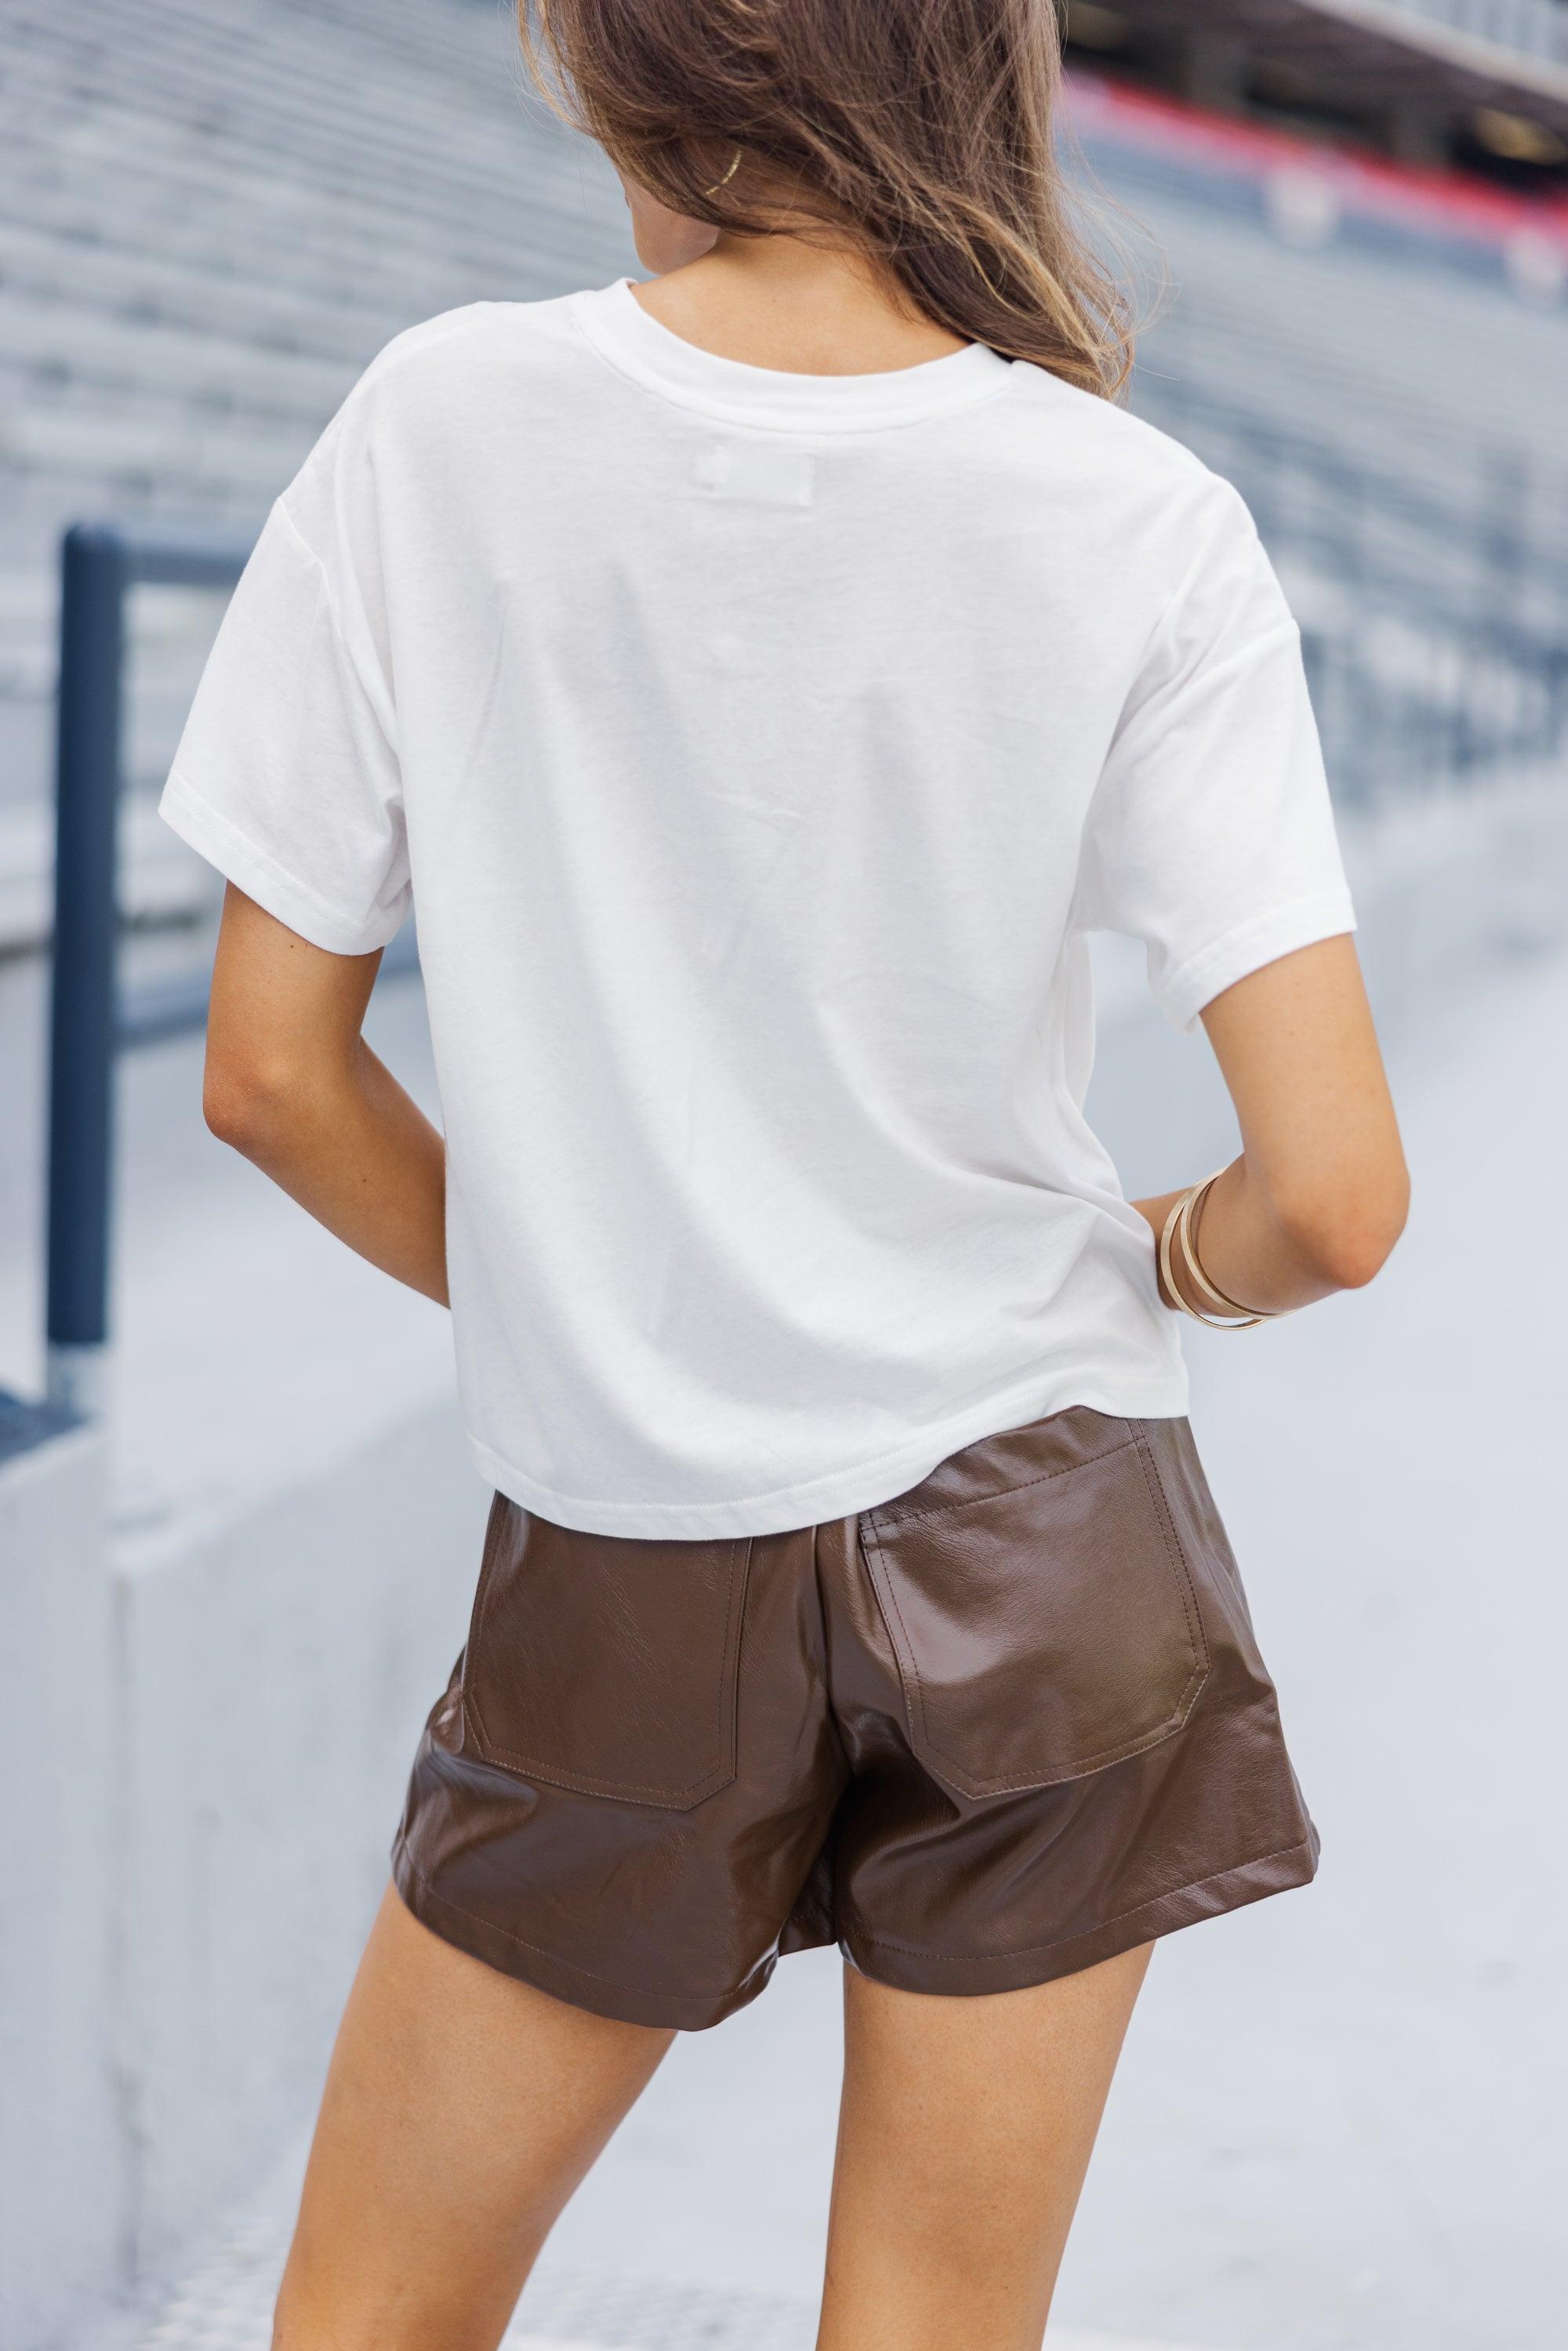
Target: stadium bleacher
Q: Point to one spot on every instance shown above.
(212, 214)
(212, 211)
(1360, 353)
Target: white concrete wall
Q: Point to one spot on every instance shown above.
(204, 1738)
(61, 2173)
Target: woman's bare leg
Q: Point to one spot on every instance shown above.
(963, 2136)
(461, 2110)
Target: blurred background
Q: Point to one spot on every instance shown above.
(234, 1498)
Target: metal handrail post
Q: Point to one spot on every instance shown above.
(82, 1006)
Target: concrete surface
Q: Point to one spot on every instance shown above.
(1337, 2127)
(274, 1668)
(61, 2210)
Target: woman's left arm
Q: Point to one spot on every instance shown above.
(1318, 1197)
(292, 1085)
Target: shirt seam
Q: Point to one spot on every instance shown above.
(411, 343)
(1176, 597)
(719, 411)
(339, 635)
(1286, 631)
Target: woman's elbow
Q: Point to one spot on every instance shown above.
(1343, 1238)
(248, 1100)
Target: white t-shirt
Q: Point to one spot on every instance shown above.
(757, 750)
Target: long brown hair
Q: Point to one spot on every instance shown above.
(923, 130)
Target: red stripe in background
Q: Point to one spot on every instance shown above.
(1443, 203)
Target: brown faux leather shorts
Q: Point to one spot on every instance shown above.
(999, 1729)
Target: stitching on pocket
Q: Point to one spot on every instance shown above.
(499, 1506)
(1194, 1613)
(882, 1583)
(683, 1799)
(921, 1738)
(888, 1514)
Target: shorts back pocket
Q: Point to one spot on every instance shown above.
(604, 1663)
(1047, 1628)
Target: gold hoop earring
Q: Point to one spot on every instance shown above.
(734, 166)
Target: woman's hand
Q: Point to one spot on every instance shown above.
(291, 1083)
(1319, 1196)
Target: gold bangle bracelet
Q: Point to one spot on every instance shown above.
(1168, 1268)
(1178, 1227)
(1204, 1282)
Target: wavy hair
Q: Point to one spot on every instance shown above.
(922, 131)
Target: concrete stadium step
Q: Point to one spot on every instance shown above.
(422, 34)
(238, 76)
(197, 465)
(75, 346)
(57, 145)
(123, 270)
(259, 50)
(118, 280)
(350, 223)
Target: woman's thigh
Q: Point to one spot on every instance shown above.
(965, 2134)
(461, 2109)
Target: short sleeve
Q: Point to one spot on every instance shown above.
(1210, 836)
(287, 776)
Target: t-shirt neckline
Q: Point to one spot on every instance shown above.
(620, 328)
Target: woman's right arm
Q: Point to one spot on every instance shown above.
(1319, 1196)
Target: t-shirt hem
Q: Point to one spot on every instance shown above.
(864, 1486)
(258, 872)
(1262, 939)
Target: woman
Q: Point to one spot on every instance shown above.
(762, 679)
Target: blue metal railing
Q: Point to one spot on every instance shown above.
(93, 1018)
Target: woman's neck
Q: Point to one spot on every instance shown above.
(793, 304)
